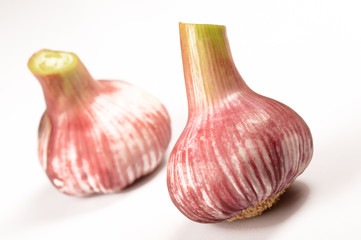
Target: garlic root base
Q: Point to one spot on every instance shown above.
(259, 208)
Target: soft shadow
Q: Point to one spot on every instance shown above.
(48, 204)
(260, 227)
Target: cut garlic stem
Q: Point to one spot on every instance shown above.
(52, 62)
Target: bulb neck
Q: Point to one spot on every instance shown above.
(209, 71)
(65, 81)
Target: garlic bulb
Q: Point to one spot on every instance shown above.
(95, 136)
(239, 150)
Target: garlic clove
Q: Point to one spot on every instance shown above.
(95, 136)
(239, 150)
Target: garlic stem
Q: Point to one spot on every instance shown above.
(63, 77)
(209, 70)
(51, 62)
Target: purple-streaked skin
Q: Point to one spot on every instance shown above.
(97, 136)
(238, 148)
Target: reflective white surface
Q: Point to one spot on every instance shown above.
(303, 53)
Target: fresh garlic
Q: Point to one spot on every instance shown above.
(95, 136)
(239, 150)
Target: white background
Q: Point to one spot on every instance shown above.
(306, 54)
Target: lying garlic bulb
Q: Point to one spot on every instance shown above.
(239, 150)
(95, 136)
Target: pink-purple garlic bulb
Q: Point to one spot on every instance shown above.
(95, 137)
(239, 150)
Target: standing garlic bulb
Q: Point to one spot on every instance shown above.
(95, 136)
(239, 150)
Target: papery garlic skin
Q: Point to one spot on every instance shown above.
(99, 136)
(239, 150)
